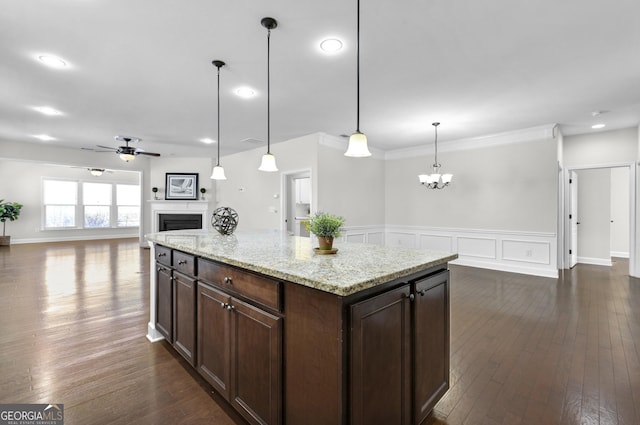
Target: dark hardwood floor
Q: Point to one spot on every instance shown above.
(525, 350)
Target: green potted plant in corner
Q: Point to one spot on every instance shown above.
(8, 211)
(326, 227)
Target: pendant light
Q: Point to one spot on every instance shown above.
(218, 171)
(358, 141)
(435, 180)
(268, 160)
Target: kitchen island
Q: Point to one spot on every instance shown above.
(289, 336)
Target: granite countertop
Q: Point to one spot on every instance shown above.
(354, 268)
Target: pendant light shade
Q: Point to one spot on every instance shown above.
(358, 141)
(218, 171)
(268, 163)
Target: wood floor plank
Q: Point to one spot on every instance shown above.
(524, 350)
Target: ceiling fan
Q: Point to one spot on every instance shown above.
(127, 153)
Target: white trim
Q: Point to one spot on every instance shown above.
(540, 133)
(619, 254)
(533, 253)
(595, 261)
(172, 207)
(74, 238)
(153, 334)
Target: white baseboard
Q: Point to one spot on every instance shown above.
(595, 261)
(620, 254)
(71, 238)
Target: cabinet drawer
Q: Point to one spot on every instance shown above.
(163, 255)
(260, 289)
(185, 263)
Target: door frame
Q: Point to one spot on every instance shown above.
(564, 242)
(285, 178)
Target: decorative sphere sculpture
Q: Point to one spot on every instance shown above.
(224, 220)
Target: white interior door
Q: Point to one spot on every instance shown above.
(573, 218)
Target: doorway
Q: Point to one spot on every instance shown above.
(600, 214)
(297, 201)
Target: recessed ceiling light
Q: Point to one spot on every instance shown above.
(245, 92)
(598, 126)
(331, 45)
(52, 61)
(47, 110)
(207, 140)
(44, 137)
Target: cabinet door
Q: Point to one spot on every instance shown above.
(164, 302)
(256, 364)
(184, 316)
(431, 342)
(214, 344)
(381, 359)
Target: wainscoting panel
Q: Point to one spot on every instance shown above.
(526, 251)
(374, 235)
(477, 247)
(519, 252)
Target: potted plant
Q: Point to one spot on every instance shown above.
(8, 211)
(326, 227)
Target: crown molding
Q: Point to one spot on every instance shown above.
(532, 134)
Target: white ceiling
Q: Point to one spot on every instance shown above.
(143, 68)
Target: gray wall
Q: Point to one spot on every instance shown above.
(505, 187)
(594, 214)
(620, 197)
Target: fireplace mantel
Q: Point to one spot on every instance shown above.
(177, 207)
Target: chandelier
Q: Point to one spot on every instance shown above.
(435, 180)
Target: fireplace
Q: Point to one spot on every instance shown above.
(179, 221)
(176, 215)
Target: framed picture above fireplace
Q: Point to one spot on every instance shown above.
(181, 186)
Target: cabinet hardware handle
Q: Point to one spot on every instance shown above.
(411, 297)
(230, 307)
(228, 280)
(182, 262)
(422, 293)
(162, 254)
(223, 305)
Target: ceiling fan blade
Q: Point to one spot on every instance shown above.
(138, 152)
(96, 150)
(106, 147)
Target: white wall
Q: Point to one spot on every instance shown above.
(256, 195)
(22, 183)
(606, 147)
(506, 187)
(351, 187)
(620, 197)
(594, 215)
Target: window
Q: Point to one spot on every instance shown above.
(60, 200)
(96, 198)
(128, 200)
(103, 205)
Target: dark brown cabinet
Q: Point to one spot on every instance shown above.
(400, 353)
(431, 343)
(381, 359)
(240, 354)
(376, 356)
(184, 315)
(164, 301)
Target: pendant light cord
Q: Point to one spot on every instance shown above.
(436, 165)
(218, 162)
(268, 93)
(358, 71)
